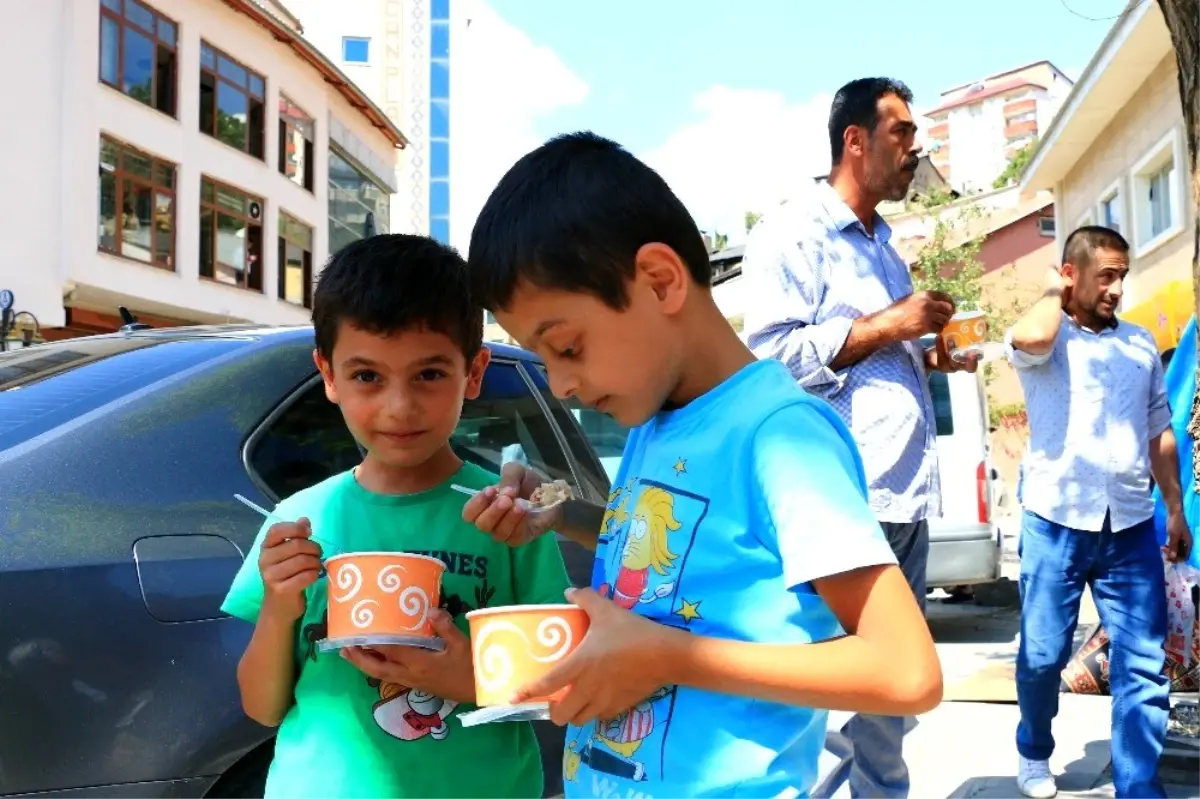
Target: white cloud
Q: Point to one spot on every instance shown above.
(503, 82)
(749, 151)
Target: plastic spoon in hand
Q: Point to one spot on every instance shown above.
(472, 492)
(271, 517)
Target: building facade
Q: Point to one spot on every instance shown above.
(192, 160)
(1115, 156)
(398, 52)
(977, 127)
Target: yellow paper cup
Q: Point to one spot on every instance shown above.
(512, 645)
(965, 334)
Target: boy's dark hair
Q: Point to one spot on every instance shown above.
(571, 215)
(393, 283)
(1080, 247)
(857, 103)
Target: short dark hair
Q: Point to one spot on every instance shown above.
(1080, 248)
(392, 283)
(571, 215)
(857, 104)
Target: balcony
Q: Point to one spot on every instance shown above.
(1017, 107)
(1020, 129)
(940, 130)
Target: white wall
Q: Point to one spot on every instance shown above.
(731, 297)
(396, 78)
(32, 224)
(978, 143)
(68, 109)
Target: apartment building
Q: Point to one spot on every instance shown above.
(398, 51)
(1116, 156)
(192, 160)
(977, 127)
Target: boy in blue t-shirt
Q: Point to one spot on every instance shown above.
(747, 581)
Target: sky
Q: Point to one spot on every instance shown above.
(727, 100)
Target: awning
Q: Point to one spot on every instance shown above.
(1166, 313)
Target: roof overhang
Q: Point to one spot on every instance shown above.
(332, 75)
(1135, 45)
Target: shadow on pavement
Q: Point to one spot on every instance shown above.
(1083, 778)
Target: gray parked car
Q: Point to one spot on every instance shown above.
(119, 535)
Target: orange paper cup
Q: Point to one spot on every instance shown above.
(382, 594)
(965, 333)
(513, 645)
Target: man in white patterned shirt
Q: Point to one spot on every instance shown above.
(1099, 426)
(834, 301)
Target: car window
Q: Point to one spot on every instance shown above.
(943, 412)
(304, 443)
(589, 461)
(507, 424)
(48, 385)
(606, 436)
(308, 442)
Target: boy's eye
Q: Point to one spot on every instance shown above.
(432, 374)
(569, 353)
(365, 376)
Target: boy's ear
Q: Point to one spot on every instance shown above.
(326, 370)
(659, 269)
(475, 371)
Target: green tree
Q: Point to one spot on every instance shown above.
(752, 218)
(949, 262)
(1016, 165)
(949, 259)
(720, 241)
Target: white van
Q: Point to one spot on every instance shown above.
(964, 543)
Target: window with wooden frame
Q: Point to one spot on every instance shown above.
(296, 137)
(231, 240)
(295, 261)
(137, 205)
(232, 101)
(138, 53)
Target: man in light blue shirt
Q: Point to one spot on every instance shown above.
(835, 303)
(1099, 426)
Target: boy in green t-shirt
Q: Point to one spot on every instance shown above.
(399, 345)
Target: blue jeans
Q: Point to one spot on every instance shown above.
(1125, 572)
(878, 768)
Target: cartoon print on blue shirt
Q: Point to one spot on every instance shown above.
(645, 551)
(640, 566)
(611, 747)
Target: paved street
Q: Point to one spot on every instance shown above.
(965, 747)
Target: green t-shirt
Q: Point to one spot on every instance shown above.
(348, 736)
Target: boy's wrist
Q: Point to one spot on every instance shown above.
(276, 614)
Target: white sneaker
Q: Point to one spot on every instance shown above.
(1035, 780)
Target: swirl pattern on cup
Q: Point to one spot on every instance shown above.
(349, 579)
(415, 602)
(361, 615)
(390, 582)
(553, 631)
(494, 663)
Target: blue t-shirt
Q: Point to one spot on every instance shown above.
(722, 514)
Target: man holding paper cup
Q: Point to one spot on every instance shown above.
(834, 301)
